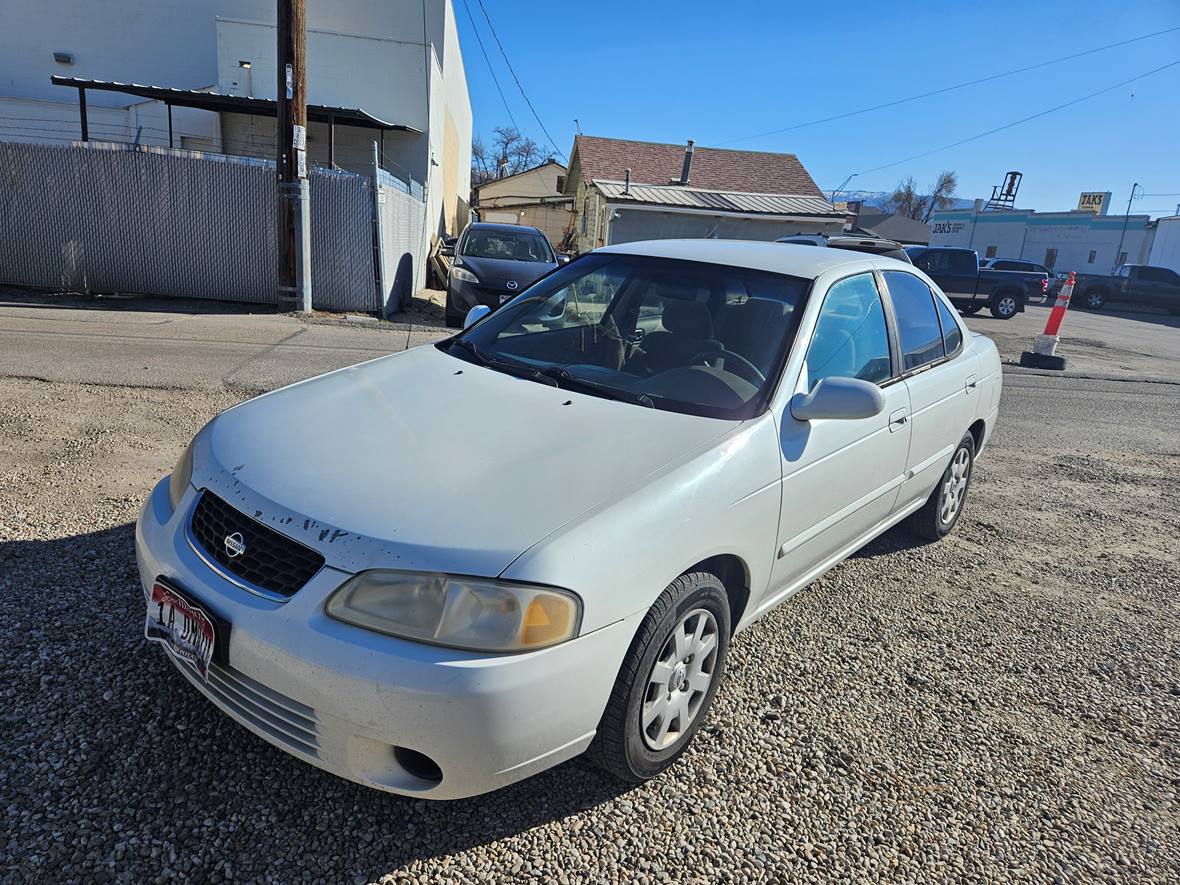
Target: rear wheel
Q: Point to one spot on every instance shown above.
(945, 504)
(1094, 299)
(1004, 305)
(667, 682)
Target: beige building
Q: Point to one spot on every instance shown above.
(534, 197)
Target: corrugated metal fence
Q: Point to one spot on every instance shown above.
(109, 217)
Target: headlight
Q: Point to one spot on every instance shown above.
(182, 475)
(471, 613)
(464, 275)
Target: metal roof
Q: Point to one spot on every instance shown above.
(717, 201)
(233, 104)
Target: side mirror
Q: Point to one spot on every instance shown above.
(480, 311)
(562, 258)
(840, 398)
(448, 249)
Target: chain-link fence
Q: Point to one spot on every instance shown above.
(103, 217)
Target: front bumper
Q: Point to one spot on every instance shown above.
(342, 698)
(464, 296)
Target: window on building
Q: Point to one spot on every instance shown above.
(1050, 258)
(1093, 255)
(1122, 258)
(917, 320)
(850, 339)
(991, 252)
(561, 184)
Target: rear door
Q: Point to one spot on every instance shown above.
(840, 477)
(941, 378)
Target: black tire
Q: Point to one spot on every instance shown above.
(620, 745)
(454, 321)
(1093, 299)
(1005, 305)
(929, 521)
(970, 310)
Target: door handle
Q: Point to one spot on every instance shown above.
(971, 384)
(897, 420)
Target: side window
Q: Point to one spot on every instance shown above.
(917, 320)
(952, 336)
(850, 339)
(963, 261)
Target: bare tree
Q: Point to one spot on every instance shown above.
(908, 201)
(510, 152)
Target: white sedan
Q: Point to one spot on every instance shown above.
(447, 569)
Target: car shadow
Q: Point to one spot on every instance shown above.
(102, 727)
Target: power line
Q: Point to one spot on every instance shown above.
(1022, 119)
(945, 89)
(517, 79)
(491, 70)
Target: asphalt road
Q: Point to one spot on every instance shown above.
(195, 345)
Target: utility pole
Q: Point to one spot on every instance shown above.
(294, 222)
(1126, 218)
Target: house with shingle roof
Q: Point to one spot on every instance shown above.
(625, 191)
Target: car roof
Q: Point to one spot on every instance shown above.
(793, 259)
(492, 225)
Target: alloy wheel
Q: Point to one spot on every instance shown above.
(1006, 306)
(679, 680)
(954, 487)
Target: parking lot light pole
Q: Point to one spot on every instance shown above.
(294, 203)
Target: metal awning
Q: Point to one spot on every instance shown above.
(221, 103)
(233, 104)
(680, 197)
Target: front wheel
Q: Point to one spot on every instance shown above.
(945, 504)
(1004, 305)
(667, 681)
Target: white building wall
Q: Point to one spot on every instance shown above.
(1083, 242)
(372, 54)
(1165, 249)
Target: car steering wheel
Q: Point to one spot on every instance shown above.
(726, 355)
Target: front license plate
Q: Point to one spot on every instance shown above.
(182, 626)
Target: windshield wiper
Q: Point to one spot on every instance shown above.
(565, 379)
(508, 368)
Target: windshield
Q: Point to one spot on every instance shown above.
(508, 245)
(687, 336)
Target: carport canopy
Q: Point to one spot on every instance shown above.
(220, 102)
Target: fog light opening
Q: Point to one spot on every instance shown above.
(418, 764)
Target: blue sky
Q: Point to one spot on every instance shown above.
(716, 72)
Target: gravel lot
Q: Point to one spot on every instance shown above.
(1004, 705)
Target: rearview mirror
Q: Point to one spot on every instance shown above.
(476, 314)
(840, 398)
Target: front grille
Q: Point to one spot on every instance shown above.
(289, 722)
(270, 560)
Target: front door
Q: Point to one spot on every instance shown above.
(840, 477)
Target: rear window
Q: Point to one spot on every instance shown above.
(917, 320)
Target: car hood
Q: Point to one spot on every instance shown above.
(426, 462)
(497, 273)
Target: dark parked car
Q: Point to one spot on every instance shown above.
(871, 245)
(1136, 284)
(493, 263)
(971, 287)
